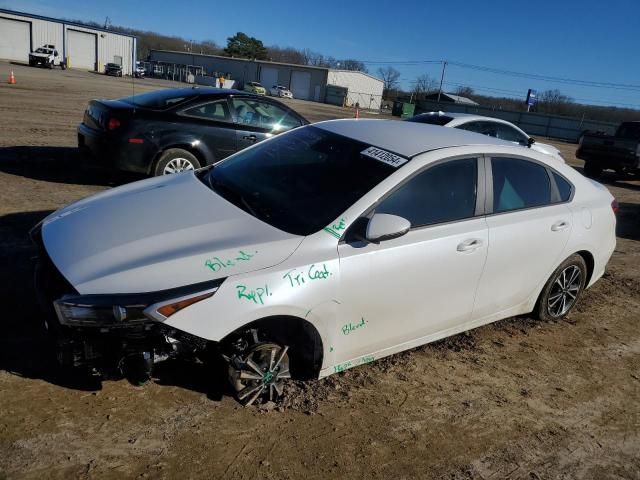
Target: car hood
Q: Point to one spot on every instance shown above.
(158, 234)
(41, 55)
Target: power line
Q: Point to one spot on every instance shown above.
(497, 71)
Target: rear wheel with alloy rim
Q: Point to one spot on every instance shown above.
(176, 160)
(562, 291)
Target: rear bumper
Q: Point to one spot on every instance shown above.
(115, 151)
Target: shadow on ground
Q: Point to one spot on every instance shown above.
(24, 347)
(61, 165)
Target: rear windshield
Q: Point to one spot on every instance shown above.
(430, 119)
(158, 100)
(629, 130)
(300, 181)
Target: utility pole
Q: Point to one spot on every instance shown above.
(444, 67)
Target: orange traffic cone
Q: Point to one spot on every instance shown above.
(12, 79)
(357, 113)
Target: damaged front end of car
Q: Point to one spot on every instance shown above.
(115, 334)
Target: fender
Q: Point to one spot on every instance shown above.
(164, 140)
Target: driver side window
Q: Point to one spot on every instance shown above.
(439, 194)
(262, 114)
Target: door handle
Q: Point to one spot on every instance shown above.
(251, 138)
(469, 245)
(558, 226)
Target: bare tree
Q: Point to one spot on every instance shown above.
(424, 85)
(464, 91)
(555, 102)
(390, 76)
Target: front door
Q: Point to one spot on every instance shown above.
(213, 123)
(257, 119)
(424, 282)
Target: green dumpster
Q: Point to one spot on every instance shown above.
(403, 109)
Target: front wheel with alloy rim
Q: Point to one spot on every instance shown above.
(175, 160)
(259, 372)
(562, 291)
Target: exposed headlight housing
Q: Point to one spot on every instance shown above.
(122, 310)
(75, 314)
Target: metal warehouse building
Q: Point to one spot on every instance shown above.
(305, 82)
(82, 47)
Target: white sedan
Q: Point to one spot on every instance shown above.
(492, 127)
(322, 249)
(280, 91)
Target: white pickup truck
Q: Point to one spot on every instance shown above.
(47, 56)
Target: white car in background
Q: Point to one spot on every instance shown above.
(280, 91)
(321, 249)
(492, 127)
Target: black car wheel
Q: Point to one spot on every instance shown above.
(176, 160)
(562, 291)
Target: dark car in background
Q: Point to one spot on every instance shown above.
(113, 69)
(619, 152)
(168, 131)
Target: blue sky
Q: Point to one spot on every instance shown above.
(573, 39)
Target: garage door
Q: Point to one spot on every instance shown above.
(269, 77)
(14, 40)
(81, 50)
(300, 84)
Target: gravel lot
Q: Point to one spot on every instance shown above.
(517, 399)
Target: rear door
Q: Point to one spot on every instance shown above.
(213, 123)
(257, 119)
(529, 226)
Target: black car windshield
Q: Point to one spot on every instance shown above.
(300, 181)
(630, 131)
(157, 100)
(430, 118)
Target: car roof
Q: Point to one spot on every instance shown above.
(199, 91)
(406, 138)
(465, 116)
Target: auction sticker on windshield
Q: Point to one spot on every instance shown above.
(384, 156)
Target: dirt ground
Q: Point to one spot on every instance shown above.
(518, 399)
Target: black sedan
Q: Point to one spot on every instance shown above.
(168, 131)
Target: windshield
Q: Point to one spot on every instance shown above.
(432, 119)
(43, 50)
(629, 131)
(300, 181)
(157, 100)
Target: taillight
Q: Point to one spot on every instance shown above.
(615, 207)
(113, 124)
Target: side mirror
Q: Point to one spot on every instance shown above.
(531, 141)
(383, 226)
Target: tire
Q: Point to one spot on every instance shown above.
(259, 373)
(592, 170)
(63, 66)
(175, 160)
(50, 65)
(563, 290)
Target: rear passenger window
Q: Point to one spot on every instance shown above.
(442, 193)
(564, 187)
(519, 184)
(218, 110)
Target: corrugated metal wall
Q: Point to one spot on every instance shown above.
(364, 89)
(243, 70)
(54, 32)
